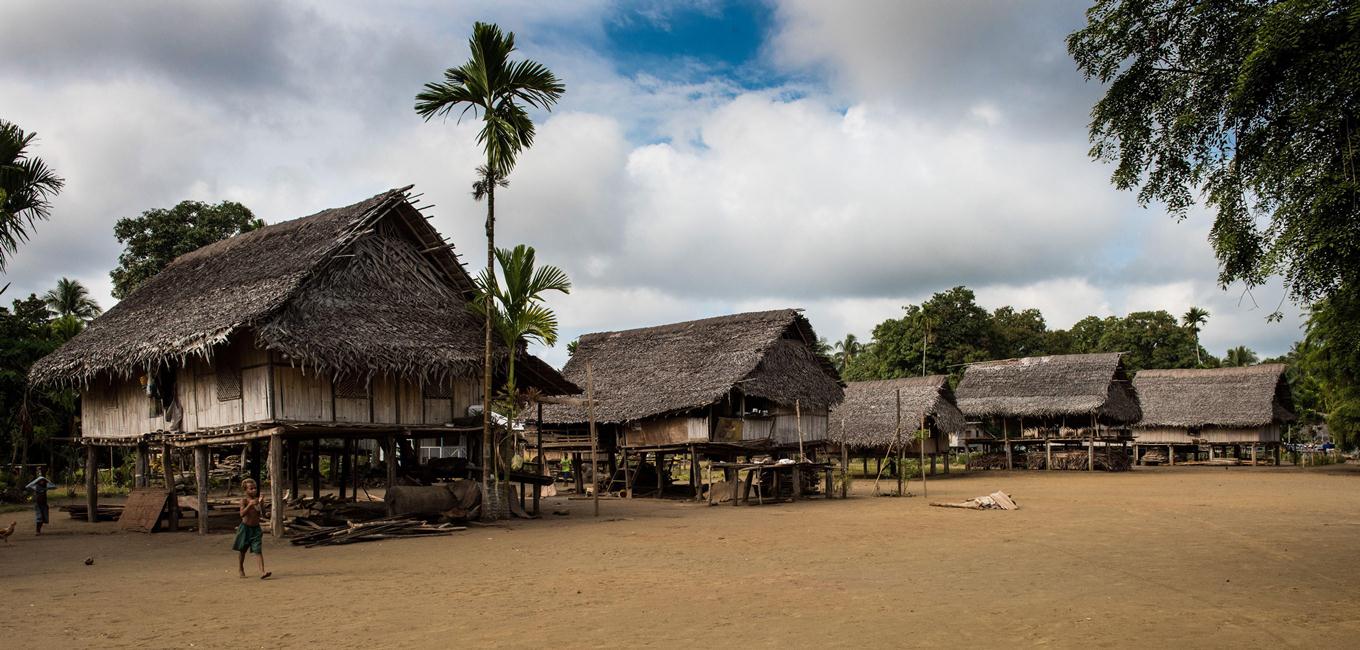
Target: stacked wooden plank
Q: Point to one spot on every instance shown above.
(1154, 456)
(103, 512)
(311, 534)
(994, 461)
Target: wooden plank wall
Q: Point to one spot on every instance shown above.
(121, 408)
(814, 425)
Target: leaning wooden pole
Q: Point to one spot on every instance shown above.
(201, 486)
(91, 484)
(923, 454)
(276, 485)
(590, 418)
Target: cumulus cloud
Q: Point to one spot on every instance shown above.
(908, 148)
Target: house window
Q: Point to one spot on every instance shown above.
(351, 388)
(228, 382)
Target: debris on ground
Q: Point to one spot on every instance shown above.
(995, 501)
(386, 528)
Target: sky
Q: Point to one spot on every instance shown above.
(707, 158)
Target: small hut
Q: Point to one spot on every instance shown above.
(1221, 409)
(870, 420)
(719, 388)
(349, 325)
(1035, 404)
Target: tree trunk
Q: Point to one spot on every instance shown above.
(491, 508)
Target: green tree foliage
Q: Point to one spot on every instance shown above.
(1254, 104)
(29, 419)
(27, 187)
(1240, 356)
(1329, 362)
(1019, 334)
(1150, 339)
(843, 352)
(948, 330)
(1194, 319)
(154, 239)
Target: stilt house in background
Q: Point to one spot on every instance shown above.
(1035, 404)
(1221, 408)
(720, 388)
(348, 324)
(867, 420)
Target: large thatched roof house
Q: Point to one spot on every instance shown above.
(1222, 406)
(1072, 399)
(1070, 387)
(869, 413)
(726, 380)
(352, 315)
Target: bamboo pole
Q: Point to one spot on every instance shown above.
(201, 483)
(276, 485)
(900, 455)
(798, 424)
(922, 442)
(92, 484)
(590, 416)
(845, 462)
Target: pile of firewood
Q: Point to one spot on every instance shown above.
(1154, 456)
(1108, 459)
(311, 534)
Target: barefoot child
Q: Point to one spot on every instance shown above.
(249, 537)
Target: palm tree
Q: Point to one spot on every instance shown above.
(520, 315)
(1240, 356)
(1193, 319)
(27, 186)
(71, 298)
(496, 90)
(846, 350)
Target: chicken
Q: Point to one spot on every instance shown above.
(4, 534)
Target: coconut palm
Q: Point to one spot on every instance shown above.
(1240, 356)
(27, 186)
(520, 315)
(1193, 320)
(496, 90)
(71, 298)
(846, 350)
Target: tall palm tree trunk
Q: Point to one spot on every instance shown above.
(491, 506)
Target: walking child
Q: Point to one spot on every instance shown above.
(249, 536)
(40, 486)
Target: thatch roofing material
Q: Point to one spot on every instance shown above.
(1251, 396)
(869, 411)
(366, 289)
(674, 368)
(1072, 385)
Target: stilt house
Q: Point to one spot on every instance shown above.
(349, 324)
(719, 387)
(1221, 409)
(868, 419)
(1069, 401)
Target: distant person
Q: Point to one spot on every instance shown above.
(40, 486)
(249, 535)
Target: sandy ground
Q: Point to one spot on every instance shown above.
(1190, 557)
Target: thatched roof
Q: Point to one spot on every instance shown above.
(674, 368)
(1070, 385)
(1251, 396)
(869, 411)
(366, 289)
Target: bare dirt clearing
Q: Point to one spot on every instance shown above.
(1193, 556)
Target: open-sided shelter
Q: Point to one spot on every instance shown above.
(721, 387)
(1219, 408)
(352, 323)
(1068, 401)
(870, 422)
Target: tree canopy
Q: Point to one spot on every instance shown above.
(27, 187)
(154, 239)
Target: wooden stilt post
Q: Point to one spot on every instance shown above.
(255, 455)
(660, 485)
(542, 465)
(1048, 454)
(140, 479)
(1091, 446)
(345, 468)
(276, 485)
(1253, 454)
(946, 454)
(168, 468)
(316, 468)
(578, 472)
(594, 446)
(845, 463)
(201, 483)
(1006, 436)
(91, 484)
(390, 455)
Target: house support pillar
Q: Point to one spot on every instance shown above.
(140, 466)
(168, 469)
(276, 485)
(201, 485)
(91, 484)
